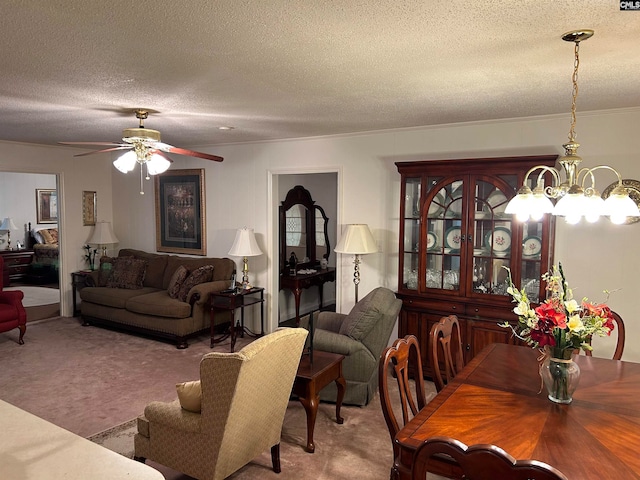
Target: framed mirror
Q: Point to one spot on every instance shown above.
(303, 230)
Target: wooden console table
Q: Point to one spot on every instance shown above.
(296, 283)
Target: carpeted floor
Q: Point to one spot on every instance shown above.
(89, 379)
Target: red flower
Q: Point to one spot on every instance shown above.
(547, 313)
(543, 338)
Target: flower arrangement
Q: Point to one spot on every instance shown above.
(561, 326)
(90, 256)
(560, 322)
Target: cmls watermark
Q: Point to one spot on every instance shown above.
(629, 5)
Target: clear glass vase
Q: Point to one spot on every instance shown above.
(560, 374)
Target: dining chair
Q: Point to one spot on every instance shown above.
(445, 337)
(617, 354)
(480, 462)
(403, 357)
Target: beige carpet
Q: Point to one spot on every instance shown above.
(89, 379)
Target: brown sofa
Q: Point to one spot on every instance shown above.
(150, 310)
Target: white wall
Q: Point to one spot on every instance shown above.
(238, 191)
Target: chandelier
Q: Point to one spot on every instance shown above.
(577, 195)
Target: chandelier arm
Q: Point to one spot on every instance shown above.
(544, 168)
(589, 171)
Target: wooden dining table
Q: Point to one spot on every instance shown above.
(496, 399)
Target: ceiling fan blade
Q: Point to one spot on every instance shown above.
(121, 147)
(105, 144)
(191, 153)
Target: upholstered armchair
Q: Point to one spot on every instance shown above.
(244, 396)
(360, 336)
(12, 313)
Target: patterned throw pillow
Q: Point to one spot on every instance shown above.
(177, 279)
(127, 272)
(199, 275)
(50, 236)
(106, 267)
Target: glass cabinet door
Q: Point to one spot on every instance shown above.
(444, 235)
(411, 242)
(493, 238)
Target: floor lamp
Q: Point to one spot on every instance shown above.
(357, 240)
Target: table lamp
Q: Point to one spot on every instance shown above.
(245, 245)
(357, 240)
(8, 225)
(102, 236)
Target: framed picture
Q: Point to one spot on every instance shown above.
(47, 205)
(180, 212)
(89, 208)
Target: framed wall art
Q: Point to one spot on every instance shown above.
(89, 208)
(180, 212)
(47, 205)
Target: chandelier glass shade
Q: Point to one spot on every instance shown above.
(577, 196)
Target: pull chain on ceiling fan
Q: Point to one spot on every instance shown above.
(143, 147)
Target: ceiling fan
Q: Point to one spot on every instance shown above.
(143, 146)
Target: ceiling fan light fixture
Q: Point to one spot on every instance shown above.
(157, 164)
(126, 162)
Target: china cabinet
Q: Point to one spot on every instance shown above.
(456, 239)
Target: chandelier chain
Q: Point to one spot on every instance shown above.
(574, 92)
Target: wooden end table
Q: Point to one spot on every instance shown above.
(78, 282)
(230, 301)
(313, 377)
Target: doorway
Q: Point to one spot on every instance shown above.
(37, 276)
(323, 188)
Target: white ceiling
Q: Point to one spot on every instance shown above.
(75, 70)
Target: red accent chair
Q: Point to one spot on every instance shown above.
(12, 313)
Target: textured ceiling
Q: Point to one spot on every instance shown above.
(75, 70)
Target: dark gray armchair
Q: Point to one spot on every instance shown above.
(360, 336)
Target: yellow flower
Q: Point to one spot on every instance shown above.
(571, 306)
(575, 323)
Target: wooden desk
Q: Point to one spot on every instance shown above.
(313, 377)
(495, 400)
(33, 448)
(296, 283)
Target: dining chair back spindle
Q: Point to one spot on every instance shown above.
(445, 350)
(403, 357)
(481, 462)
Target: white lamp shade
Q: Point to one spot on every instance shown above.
(7, 224)
(357, 239)
(127, 162)
(157, 164)
(102, 234)
(245, 244)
